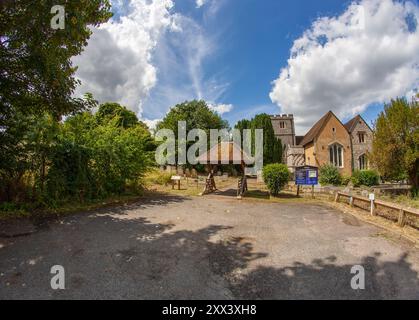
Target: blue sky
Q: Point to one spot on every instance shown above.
(324, 55)
(257, 38)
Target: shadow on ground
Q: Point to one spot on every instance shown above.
(111, 254)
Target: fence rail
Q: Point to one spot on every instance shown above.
(401, 221)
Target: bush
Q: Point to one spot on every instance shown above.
(329, 175)
(276, 176)
(367, 178)
(90, 161)
(346, 180)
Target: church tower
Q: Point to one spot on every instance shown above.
(284, 129)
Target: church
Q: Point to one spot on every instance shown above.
(329, 141)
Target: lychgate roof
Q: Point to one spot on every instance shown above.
(225, 152)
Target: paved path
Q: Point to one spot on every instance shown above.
(208, 248)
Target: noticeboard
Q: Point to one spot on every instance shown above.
(308, 176)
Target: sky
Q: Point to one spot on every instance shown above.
(246, 57)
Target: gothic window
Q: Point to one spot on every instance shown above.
(336, 155)
(282, 125)
(361, 137)
(363, 162)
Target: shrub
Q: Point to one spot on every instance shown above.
(276, 176)
(90, 161)
(329, 175)
(365, 178)
(346, 180)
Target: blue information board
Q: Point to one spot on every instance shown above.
(307, 176)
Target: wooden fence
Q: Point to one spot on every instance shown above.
(373, 203)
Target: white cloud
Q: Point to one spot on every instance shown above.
(368, 54)
(149, 58)
(212, 7)
(180, 60)
(221, 108)
(200, 3)
(117, 63)
(151, 124)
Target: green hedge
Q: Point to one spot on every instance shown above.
(276, 176)
(329, 175)
(367, 178)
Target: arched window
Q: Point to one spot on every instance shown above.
(363, 162)
(336, 155)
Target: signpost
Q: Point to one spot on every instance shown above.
(174, 179)
(372, 199)
(306, 176)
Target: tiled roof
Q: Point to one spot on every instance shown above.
(350, 125)
(298, 140)
(316, 129)
(225, 151)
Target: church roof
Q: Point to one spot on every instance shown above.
(351, 124)
(316, 129)
(298, 140)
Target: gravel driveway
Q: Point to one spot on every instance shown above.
(208, 248)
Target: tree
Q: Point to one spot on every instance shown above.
(197, 115)
(35, 60)
(272, 147)
(25, 152)
(49, 162)
(125, 118)
(243, 125)
(93, 159)
(396, 142)
(122, 117)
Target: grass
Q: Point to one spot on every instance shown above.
(160, 182)
(184, 191)
(157, 177)
(256, 191)
(404, 200)
(68, 208)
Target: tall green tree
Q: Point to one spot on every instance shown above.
(37, 81)
(396, 141)
(242, 125)
(272, 147)
(197, 115)
(109, 110)
(37, 73)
